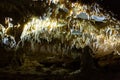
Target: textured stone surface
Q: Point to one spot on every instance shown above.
(62, 51)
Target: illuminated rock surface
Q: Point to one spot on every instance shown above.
(58, 38)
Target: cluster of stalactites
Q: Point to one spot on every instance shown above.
(6, 41)
(80, 30)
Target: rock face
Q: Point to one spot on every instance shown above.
(83, 15)
(66, 36)
(98, 18)
(7, 45)
(8, 42)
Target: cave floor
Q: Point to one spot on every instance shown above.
(85, 75)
